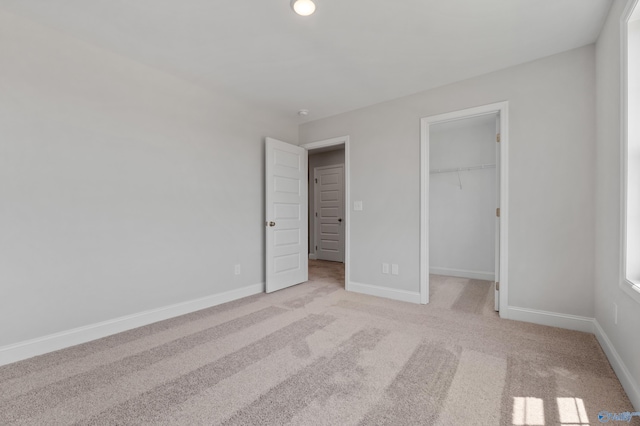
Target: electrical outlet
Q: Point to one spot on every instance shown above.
(385, 268)
(357, 205)
(236, 270)
(394, 269)
(615, 314)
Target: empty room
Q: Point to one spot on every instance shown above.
(319, 212)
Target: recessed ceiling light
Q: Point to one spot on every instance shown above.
(303, 7)
(303, 112)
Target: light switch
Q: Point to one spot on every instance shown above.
(394, 269)
(357, 205)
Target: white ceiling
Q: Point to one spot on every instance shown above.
(349, 54)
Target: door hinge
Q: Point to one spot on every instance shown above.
(316, 214)
(498, 212)
(497, 285)
(316, 248)
(316, 180)
(498, 137)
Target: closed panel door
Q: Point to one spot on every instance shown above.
(329, 190)
(286, 215)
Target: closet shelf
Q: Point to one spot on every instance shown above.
(463, 169)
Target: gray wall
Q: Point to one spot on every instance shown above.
(624, 335)
(551, 160)
(123, 188)
(321, 159)
(462, 217)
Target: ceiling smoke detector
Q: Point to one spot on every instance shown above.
(303, 112)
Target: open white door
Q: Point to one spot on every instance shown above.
(286, 217)
(496, 302)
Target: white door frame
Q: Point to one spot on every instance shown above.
(341, 140)
(502, 108)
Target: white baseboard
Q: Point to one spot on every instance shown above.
(588, 325)
(463, 273)
(53, 342)
(553, 319)
(313, 256)
(389, 293)
(629, 384)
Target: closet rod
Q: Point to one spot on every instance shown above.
(463, 169)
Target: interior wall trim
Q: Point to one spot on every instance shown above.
(552, 319)
(463, 273)
(64, 339)
(629, 384)
(587, 325)
(389, 293)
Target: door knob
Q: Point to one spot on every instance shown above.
(272, 224)
(340, 220)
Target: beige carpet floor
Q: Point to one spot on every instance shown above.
(314, 354)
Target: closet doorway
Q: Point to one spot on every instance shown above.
(463, 218)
